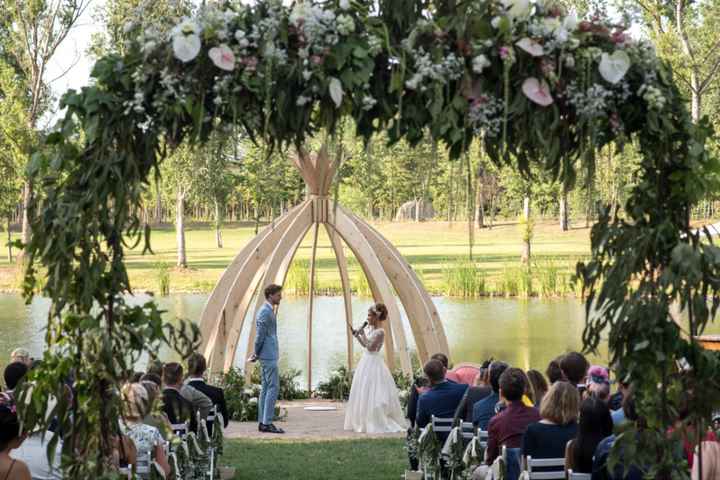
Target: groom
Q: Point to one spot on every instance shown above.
(266, 350)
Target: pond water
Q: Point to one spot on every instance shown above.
(525, 333)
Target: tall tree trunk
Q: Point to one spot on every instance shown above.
(525, 255)
(158, 203)
(27, 198)
(564, 224)
(9, 235)
(218, 224)
(480, 204)
(418, 206)
(180, 230)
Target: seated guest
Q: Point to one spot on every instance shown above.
(196, 369)
(616, 409)
(508, 427)
(538, 384)
(621, 471)
(559, 411)
(474, 394)
(154, 418)
(147, 439)
(421, 386)
(13, 374)
(464, 373)
(595, 424)
(33, 451)
(10, 439)
(574, 367)
(21, 355)
(553, 371)
(484, 409)
(442, 399)
(175, 406)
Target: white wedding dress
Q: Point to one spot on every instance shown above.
(374, 406)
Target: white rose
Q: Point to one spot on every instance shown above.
(495, 22)
(344, 4)
(480, 63)
(517, 8)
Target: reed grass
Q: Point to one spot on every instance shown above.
(162, 272)
(463, 278)
(298, 277)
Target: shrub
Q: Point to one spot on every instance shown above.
(463, 278)
(337, 387)
(162, 270)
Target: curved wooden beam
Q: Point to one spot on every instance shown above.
(378, 282)
(337, 247)
(311, 304)
(422, 314)
(241, 287)
(213, 311)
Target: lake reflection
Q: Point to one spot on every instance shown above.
(524, 333)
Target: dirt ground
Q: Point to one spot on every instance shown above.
(301, 424)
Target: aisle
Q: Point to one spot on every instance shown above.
(302, 424)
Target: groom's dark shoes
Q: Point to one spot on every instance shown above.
(270, 429)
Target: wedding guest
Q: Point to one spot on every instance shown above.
(594, 425)
(175, 406)
(154, 418)
(484, 409)
(196, 369)
(422, 385)
(539, 385)
(10, 439)
(710, 462)
(574, 367)
(508, 427)
(442, 399)
(21, 355)
(474, 394)
(147, 439)
(553, 371)
(13, 374)
(616, 401)
(559, 411)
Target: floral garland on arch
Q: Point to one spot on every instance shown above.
(528, 79)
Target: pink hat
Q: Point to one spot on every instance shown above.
(598, 374)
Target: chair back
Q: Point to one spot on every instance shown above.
(468, 431)
(210, 420)
(482, 436)
(578, 476)
(442, 425)
(143, 463)
(512, 458)
(180, 429)
(545, 468)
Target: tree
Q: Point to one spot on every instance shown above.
(38, 29)
(685, 33)
(179, 171)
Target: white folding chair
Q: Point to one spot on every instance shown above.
(441, 425)
(482, 436)
(578, 476)
(180, 429)
(553, 468)
(468, 431)
(142, 465)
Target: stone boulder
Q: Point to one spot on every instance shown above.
(407, 211)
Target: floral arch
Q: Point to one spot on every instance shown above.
(531, 82)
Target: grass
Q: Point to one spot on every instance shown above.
(369, 459)
(428, 247)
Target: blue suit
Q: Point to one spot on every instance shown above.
(442, 401)
(484, 410)
(267, 351)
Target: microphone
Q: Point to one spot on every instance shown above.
(361, 327)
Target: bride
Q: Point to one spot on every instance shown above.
(374, 406)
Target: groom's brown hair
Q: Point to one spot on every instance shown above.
(271, 289)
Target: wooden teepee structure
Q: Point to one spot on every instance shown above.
(267, 257)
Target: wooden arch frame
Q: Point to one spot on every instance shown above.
(267, 258)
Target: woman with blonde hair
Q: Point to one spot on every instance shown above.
(147, 439)
(559, 411)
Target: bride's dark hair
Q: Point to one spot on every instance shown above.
(380, 311)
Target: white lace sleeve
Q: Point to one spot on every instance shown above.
(376, 339)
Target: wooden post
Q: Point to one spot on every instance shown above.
(347, 293)
(310, 305)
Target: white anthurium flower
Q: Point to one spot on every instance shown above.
(517, 8)
(186, 47)
(344, 4)
(336, 91)
(614, 67)
(531, 46)
(223, 57)
(186, 27)
(551, 24)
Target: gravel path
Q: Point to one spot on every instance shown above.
(302, 424)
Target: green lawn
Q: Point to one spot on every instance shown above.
(426, 246)
(371, 459)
